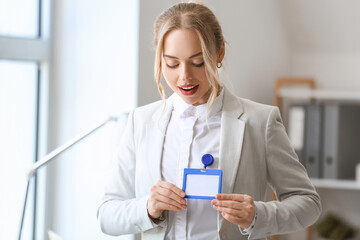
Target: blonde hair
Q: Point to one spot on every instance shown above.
(199, 18)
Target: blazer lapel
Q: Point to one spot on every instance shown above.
(231, 141)
(156, 130)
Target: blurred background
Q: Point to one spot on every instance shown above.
(66, 64)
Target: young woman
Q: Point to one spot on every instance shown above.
(247, 140)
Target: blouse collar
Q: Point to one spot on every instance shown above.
(185, 110)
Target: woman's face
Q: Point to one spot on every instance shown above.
(183, 66)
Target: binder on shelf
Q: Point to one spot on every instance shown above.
(305, 123)
(296, 129)
(313, 142)
(341, 140)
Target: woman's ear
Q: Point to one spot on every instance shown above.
(222, 52)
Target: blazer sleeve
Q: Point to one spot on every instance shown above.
(121, 212)
(298, 204)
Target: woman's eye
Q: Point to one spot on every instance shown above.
(172, 66)
(198, 64)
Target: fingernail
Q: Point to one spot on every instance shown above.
(182, 194)
(184, 206)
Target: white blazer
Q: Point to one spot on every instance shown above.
(255, 153)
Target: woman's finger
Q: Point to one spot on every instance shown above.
(231, 211)
(170, 201)
(235, 220)
(231, 204)
(171, 191)
(166, 206)
(242, 209)
(234, 197)
(165, 196)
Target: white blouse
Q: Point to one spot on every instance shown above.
(190, 135)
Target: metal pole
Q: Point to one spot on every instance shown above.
(45, 160)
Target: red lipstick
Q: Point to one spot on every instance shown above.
(188, 89)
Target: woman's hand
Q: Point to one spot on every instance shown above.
(236, 208)
(165, 196)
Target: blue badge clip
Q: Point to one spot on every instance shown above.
(207, 160)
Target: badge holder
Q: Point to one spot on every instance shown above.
(202, 183)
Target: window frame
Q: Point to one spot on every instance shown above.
(36, 50)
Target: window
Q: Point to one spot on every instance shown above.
(19, 18)
(24, 62)
(18, 108)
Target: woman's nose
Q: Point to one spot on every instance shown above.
(186, 72)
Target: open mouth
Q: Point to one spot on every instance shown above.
(188, 90)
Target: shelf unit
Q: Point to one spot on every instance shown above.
(305, 89)
(319, 94)
(336, 184)
(325, 95)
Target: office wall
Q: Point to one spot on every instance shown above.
(94, 75)
(324, 41)
(257, 50)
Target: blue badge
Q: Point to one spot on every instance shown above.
(202, 183)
